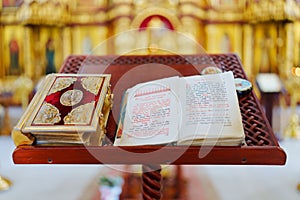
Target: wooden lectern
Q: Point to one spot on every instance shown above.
(261, 146)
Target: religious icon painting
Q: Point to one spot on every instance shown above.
(50, 53)
(12, 49)
(14, 57)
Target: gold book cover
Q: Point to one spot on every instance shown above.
(64, 107)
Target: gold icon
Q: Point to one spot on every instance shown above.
(92, 84)
(81, 114)
(71, 97)
(61, 84)
(48, 114)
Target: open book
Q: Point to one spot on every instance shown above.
(195, 110)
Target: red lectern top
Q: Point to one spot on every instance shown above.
(262, 147)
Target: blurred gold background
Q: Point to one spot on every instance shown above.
(37, 35)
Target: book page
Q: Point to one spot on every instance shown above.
(210, 108)
(151, 114)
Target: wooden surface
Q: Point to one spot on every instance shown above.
(146, 155)
(262, 147)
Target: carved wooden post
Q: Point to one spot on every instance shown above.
(179, 180)
(151, 182)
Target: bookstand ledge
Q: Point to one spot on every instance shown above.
(261, 146)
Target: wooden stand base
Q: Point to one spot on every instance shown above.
(178, 182)
(153, 185)
(151, 182)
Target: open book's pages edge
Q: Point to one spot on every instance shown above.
(119, 132)
(212, 142)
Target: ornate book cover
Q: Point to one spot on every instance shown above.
(67, 108)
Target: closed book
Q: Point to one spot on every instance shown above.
(67, 108)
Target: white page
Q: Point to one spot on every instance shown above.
(210, 108)
(152, 113)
